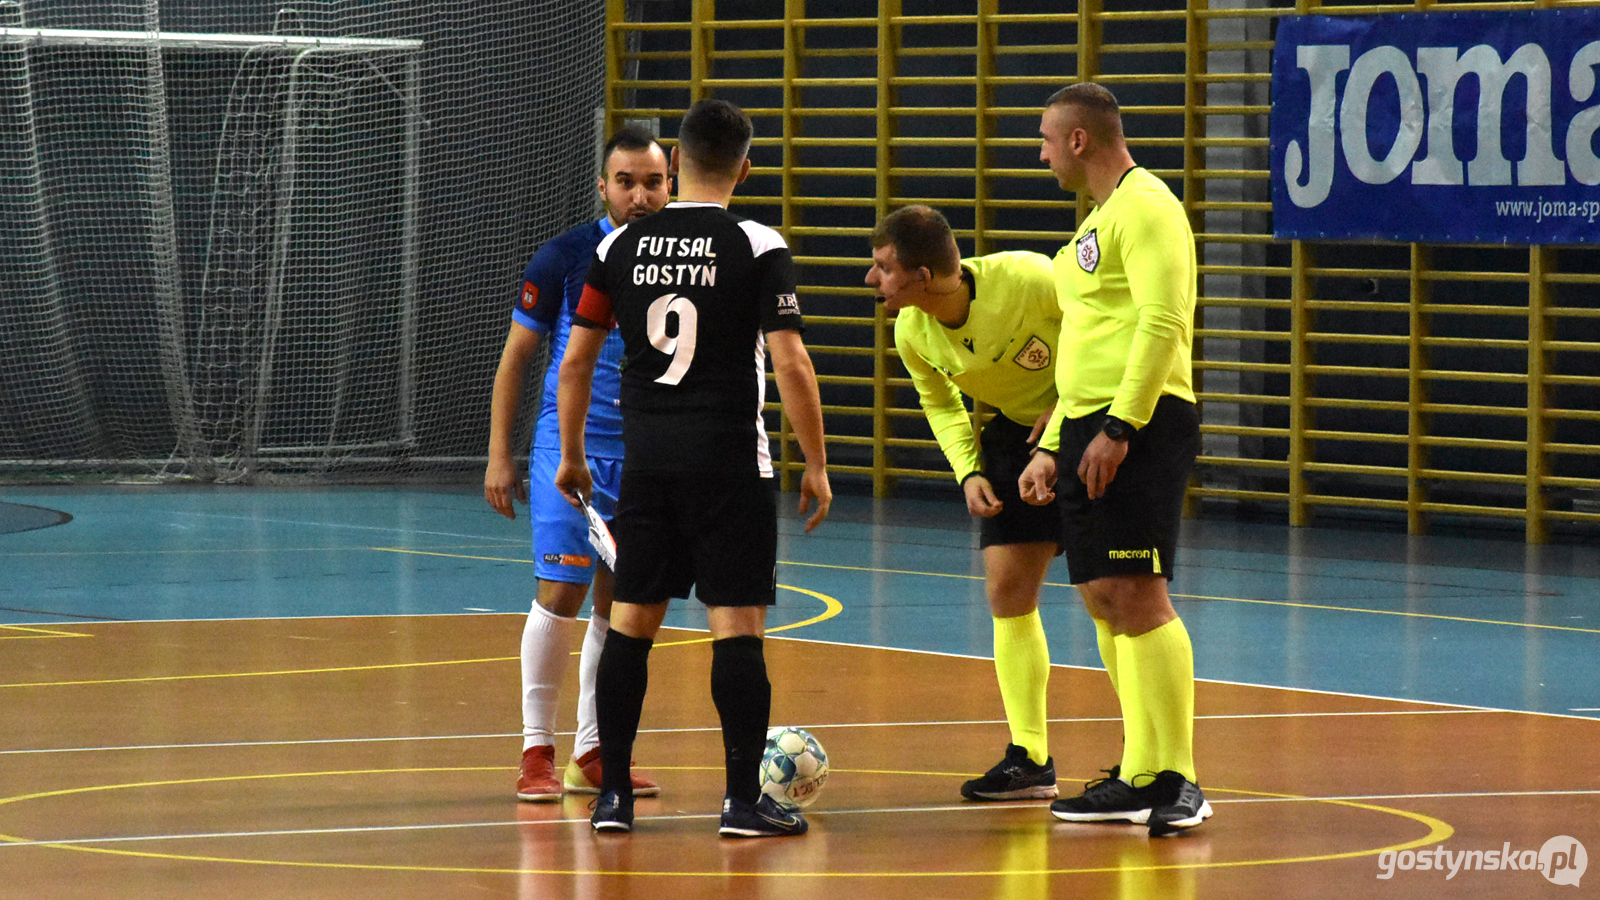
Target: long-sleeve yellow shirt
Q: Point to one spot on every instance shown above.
(1002, 355)
(1126, 285)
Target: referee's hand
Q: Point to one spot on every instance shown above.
(1037, 484)
(1099, 464)
(981, 499)
(814, 486)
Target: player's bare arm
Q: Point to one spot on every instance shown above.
(797, 388)
(573, 387)
(502, 480)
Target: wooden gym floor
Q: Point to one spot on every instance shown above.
(306, 694)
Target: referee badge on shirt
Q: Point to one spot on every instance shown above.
(1089, 250)
(1034, 355)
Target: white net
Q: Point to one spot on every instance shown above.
(243, 242)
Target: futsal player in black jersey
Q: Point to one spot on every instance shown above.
(701, 297)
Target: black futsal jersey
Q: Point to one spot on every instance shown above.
(693, 289)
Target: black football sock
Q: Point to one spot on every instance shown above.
(619, 686)
(743, 697)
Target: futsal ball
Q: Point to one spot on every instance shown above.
(794, 767)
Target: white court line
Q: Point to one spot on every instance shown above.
(886, 810)
(808, 726)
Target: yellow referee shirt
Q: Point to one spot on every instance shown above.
(1126, 285)
(1002, 354)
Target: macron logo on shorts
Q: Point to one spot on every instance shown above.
(1151, 554)
(568, 559)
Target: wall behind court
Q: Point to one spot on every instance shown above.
(1396, 382)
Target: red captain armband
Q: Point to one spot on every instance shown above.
(594, 308)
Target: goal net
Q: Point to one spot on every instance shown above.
(242, 241)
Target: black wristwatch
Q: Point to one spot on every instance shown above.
(1116, 429)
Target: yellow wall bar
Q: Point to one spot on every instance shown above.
(1417, 425)
(1300, 415)
(1541, 260)
(883, 181)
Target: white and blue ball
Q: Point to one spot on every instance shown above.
(794, 767)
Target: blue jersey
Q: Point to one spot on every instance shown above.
(551, 287)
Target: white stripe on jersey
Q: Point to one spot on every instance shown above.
(763, 446)
(761, 238)
(608, 240)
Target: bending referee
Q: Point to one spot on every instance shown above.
(1128, 433)
(984, 327)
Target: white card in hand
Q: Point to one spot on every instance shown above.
(599, 535)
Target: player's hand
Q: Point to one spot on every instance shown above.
(814, 486)
(1037, 484)
(1099, 464)
(502, 483)
(573, 480)
(981, 499)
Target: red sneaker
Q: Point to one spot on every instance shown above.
(583, 777)
(536, 782)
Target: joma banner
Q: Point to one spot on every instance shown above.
(1438, 127)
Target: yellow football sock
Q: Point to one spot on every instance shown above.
(1022, 665)
(1157, 670)
(1138, 738)
(1108, 649)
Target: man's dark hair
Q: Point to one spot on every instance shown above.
(714, 137)
(628, 137)
(921, 238)
(1102, 117)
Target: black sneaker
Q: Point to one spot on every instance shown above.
(1109, 799)
(1014, 778)
(763, 818)
(612, 812)
(1182, 806)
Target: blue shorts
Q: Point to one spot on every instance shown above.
(561, 550)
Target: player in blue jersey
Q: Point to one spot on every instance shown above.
(634, 182)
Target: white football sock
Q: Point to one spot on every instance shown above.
(545, 639)
(588, 664)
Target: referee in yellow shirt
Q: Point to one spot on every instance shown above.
(986, 327)
(1127, 434)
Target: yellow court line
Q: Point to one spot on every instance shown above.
(831, 608)
(1438, 831)
(37, 633)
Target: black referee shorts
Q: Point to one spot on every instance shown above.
(715, 533)
(1133, 528)
(1004, 447)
